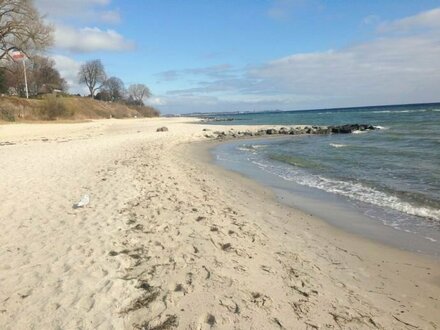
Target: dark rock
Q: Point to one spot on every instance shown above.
(283, 130)
(292, 131)
(344, 129)
(366, 127)
(323, 130)
(339, 129)
(349, 128)
(162, 129)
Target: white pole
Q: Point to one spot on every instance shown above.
(25, 79)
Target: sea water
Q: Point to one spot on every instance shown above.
(384, 183)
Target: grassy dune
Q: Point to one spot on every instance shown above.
(69, 107)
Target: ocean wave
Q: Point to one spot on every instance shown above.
(251, 148)
(410, 111)
(381, 127)
(352, 190)
(399, 111)
(336, 145)
(244, 149)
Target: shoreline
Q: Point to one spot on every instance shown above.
(203, 149)
(170, 239)
(354, 251)
(336, 210)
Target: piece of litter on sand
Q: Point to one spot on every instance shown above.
(85, 199)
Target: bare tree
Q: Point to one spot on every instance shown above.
(22, 28)
(138, 92)
(44, 77)
(115, 88)
(92, 74)
(14, 78)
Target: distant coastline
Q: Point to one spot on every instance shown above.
(236, 112)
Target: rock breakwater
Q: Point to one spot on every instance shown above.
(289, 130)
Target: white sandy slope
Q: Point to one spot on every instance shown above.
(169, 240)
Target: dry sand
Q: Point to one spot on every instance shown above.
(170, 240)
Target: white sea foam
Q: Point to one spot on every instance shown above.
(252, 147)
(399, 111)
(380, 127)
(352, 190)
(335, 145)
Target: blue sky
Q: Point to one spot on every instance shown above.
(213, 55)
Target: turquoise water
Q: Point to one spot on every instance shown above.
(391, 174)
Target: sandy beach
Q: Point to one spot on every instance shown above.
(170, 240)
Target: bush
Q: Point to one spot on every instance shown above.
(7, 115)
(119, 113)
(53, 108)
(146, 111)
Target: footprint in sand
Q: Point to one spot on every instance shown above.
(230, 305)
(227, 247)
(261, 300)
(207, 321)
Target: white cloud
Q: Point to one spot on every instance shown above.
(90, 39)
(68, 68)
(65, 15)
(155, 101)
(110, 16)
(391, 70)
(426, 20)
(80, 10)
(215, 71)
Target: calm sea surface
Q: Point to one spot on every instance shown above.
(390, 175)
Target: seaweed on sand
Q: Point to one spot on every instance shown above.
(170, 322)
